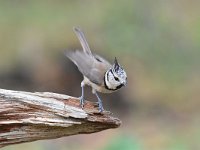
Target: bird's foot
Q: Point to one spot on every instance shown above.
(101, 109)
(81, 101)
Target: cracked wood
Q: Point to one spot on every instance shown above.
(26, 116)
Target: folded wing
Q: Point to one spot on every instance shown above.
(92, 67)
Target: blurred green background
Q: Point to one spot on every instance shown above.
(157, 42)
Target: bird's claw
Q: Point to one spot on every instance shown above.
(81, 102)
(101, 109)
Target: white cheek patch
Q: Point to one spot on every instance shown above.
(110, 82)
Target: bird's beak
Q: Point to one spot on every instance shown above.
(124, 83)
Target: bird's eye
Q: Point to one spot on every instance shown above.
(117, 79)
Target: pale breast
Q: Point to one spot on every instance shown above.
(98, 88)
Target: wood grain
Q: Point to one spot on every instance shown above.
(26, 116)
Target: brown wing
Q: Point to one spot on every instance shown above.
(93, 67)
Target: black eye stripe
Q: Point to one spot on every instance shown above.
(111, 72)
(116, 78)
(107, 77)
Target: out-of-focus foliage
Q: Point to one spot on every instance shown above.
(157, 42)
(127, 143)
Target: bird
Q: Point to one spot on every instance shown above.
(97, 72)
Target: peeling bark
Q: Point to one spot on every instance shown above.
(26, 116)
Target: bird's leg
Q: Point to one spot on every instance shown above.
(82, 95)
(99, 101)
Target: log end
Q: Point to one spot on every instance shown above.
(26, 117)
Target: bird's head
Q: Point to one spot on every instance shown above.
(116, 76)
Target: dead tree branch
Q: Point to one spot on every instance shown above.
(26, 116)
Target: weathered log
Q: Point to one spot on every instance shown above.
(26, 116)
